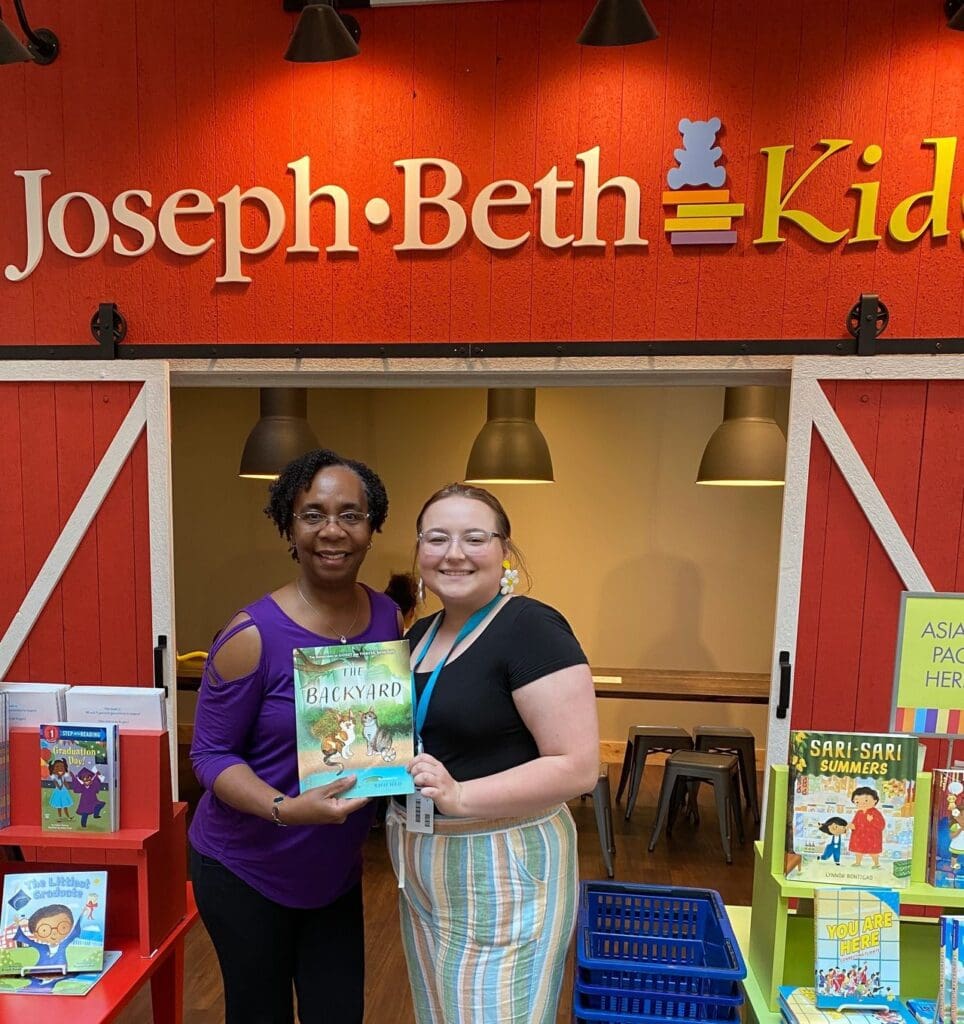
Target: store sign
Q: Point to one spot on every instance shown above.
(127, 220)
(929, 668)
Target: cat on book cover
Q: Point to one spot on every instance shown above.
(338, 743)
(379, 739)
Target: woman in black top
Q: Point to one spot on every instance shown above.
(509, 732)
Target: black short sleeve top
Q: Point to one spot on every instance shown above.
(472, 725)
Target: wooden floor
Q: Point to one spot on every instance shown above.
(692, 856)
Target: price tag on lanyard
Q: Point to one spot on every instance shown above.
(420, 810)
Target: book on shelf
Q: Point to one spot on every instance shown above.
(53, 924)
(850, 819)
(857, 955)
(924, 1010)
(4, 761)
(354, 716)
(131, 707)
(57, 984)
(30, 704)
(799, 1006)
(79, 777)
(945, 853)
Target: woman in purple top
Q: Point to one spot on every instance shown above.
(277, 875)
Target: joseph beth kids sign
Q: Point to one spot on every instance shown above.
(702, 212)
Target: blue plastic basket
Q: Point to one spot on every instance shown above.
(657, 939)
(606, 1007)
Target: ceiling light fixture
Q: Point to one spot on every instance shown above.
(510, 448)
(280, 435)
(954, 9)
(748, 448)
(618, 23)
(322, 34)
(42, 45)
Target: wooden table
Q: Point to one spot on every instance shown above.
(658, 684)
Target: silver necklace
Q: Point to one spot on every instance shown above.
(343, 637)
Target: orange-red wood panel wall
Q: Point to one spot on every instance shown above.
(908, 434)
(161, 96)
(96, 627)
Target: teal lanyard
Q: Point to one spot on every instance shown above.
(422, 709)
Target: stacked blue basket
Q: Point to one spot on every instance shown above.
(648, 953)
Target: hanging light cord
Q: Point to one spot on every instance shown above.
(27, 30)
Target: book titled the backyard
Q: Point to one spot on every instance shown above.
(851, 808)
(354, 716)
(53, 923)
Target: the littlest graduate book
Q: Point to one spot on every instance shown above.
(850, 819)
(354, 716)
(79, 778)
(53, 924)
(857, 961)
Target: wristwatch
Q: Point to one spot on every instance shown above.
(275, 810)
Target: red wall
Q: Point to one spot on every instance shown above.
(908, 435)
(167, 94)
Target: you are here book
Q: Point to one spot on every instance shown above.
(354, 716)
(851, 808)
(79, 777)
(798, 1006)
(53, 923)
(857, 956)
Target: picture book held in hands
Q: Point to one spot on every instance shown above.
(851, 813)
(354, 716)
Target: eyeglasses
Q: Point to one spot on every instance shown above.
(471, 542)
(346, 520)
(45, 930)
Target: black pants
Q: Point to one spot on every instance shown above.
(264, 947)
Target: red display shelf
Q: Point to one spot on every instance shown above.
(164, 969)
(35, 836)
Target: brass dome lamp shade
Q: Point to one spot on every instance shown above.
(510, 448)
(618, 23)
(280, 435)
(323, 34)
(748, 448)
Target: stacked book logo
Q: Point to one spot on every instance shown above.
(703, 216)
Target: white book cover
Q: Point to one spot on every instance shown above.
(131, 707)
(33, 703)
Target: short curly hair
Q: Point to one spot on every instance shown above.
(296, 477)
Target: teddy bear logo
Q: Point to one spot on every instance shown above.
(697, 159)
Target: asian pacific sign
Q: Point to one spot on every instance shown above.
(700, 216)
(929, 668)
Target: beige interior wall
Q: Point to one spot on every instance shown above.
(651, 570)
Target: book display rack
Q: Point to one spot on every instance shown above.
(150, 907)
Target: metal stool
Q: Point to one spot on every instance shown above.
(733, 739)
(686, 767)
(642, 741)
(602, 805)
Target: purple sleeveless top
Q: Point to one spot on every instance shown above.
(251, 721)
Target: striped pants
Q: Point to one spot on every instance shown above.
(487, 909)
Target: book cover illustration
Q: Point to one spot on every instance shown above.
(924, 1010)
(52, 924)
(354, 715)
(857, 962)
(56, 984)
(78, 778)
(798, 1006)
(851, 814)
(945, 856)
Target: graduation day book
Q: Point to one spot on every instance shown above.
(79, 777)
(354, 716)
(851, 814)
(53, 923)
(857, 955)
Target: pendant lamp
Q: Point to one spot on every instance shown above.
(280, 435)
(618, 23)
(510, 448)
(748, 448)
(323, 34)
(954, 9)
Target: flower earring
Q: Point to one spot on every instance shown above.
(510, 577)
